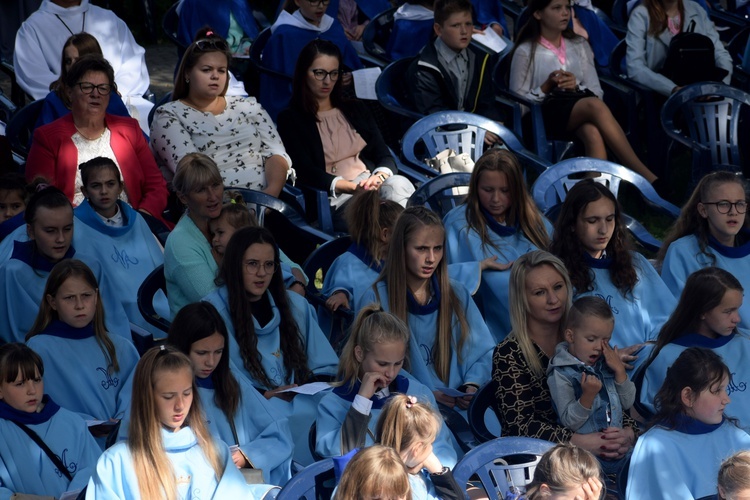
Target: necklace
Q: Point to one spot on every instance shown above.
(83, 24)
(90, 138)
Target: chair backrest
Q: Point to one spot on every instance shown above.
(21, 127)
(167, 98)
(463, 133)
(439, 195)
(170, 24)
(323, 256)
(154, 282)
(712, 114)
(7, 108)
(496, 477)
(309, 482)
(376, 34)
(391, 90)
(480, 403)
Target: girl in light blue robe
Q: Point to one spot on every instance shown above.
(24, 466)
(88, 370)
(499, 220)
(263, 441)
(274, 338)
(708, 294)
(185, 458)
(704, 236)
(450, 345)
(369, 375)
(592, 241)
(49, 224)
(680, 455)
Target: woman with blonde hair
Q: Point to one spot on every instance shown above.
(169, 453)
(497, 223)
(540, 298)
(374, 473)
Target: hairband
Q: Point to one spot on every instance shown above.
(162, 347)
(209, 33)
(42, 186)
(233, 201)
(410, 401)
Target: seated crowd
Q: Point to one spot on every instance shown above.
(624, 364)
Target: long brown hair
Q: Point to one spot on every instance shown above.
(84, 43)
(302, 97)
(73, 268)
(367, 215)
(153, 469)
(522, 211)
(231, 275)
(394, 275)
(657, 16)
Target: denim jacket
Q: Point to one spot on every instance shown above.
(564, 380)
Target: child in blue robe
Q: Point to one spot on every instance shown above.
(373, 472)
(370, 373)
(680, 455)
(88, 370)
(498, 221)
(49, 224)
(708, 233)
(13, 197)
(412, 29)
(114, 230)
(236, 413)
(707, 316)
(274, 338)
(25, 468)
(450, 346)
(293, 30)
(489, 14)
(231, 19)
(592, 241)
(169, 448)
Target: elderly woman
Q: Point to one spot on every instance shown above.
(540, 297)
(236, 132)
(89, 132)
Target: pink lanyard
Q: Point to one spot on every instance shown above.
(559, 52)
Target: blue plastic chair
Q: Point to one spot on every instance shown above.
(167, 98)
(482, 402)
(311, 483)
(391, 90)
(551, 188)
(438, 194)
(481, 461)
(170, 24)
(7, 108)
(19, 129)
(375, 37)
(712, 125)
(154, 282)
(463, 133)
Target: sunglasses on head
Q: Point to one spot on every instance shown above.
(207, 44)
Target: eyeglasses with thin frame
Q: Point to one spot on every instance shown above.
(321, 74)
(253, 266)
(724, 206)
(315, 3)
(88, 88)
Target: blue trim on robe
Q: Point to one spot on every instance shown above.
(501, 230)
(25, 251)
(7, 412)
(400, 385)
(11, 224)
(58, 328)
(698, 340)
(362, 254)
(430, 307)
(737, 252)
(689, 425)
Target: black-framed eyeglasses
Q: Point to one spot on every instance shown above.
(321, 74)
(315, 3)
(253, 266)
(88, 87)
(207, 44)
(724, 206)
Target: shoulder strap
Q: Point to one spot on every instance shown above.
(55, 460)
(234, 429)
(691, 27)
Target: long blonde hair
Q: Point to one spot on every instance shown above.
(153, 469)
(374, 472)
(519, 305)
(394, 275)
(405, 422)
(372, 326)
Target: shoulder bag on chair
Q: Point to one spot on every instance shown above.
(448, 161)
(691, 59)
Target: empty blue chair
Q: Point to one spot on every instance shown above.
(20, 128)
(391, 90)
(551, 188)
(313, 482)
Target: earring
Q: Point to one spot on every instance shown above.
(187, 80)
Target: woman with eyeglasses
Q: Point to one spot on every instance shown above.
(335, 142)
(235, 131)
(711, 231)
(274, 338)
(299, 23)
(89, 132)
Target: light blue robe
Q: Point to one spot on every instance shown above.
(734, 351)
(115, 475)
(475, 365)
(682, 464)
(507, 243)
(22, 282)
(128, 254)
(335, 405)
(77, 375)
(640, 315)
(26, 468)
(265, 439)
(684, 258)
(321, 359)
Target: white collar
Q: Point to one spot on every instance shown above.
(53, 8)
(414, 13)
(114, 221)
(298, 21)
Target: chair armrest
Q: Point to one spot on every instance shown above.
(459, 427)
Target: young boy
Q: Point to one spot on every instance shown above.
(450, 74)
(589, 386)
